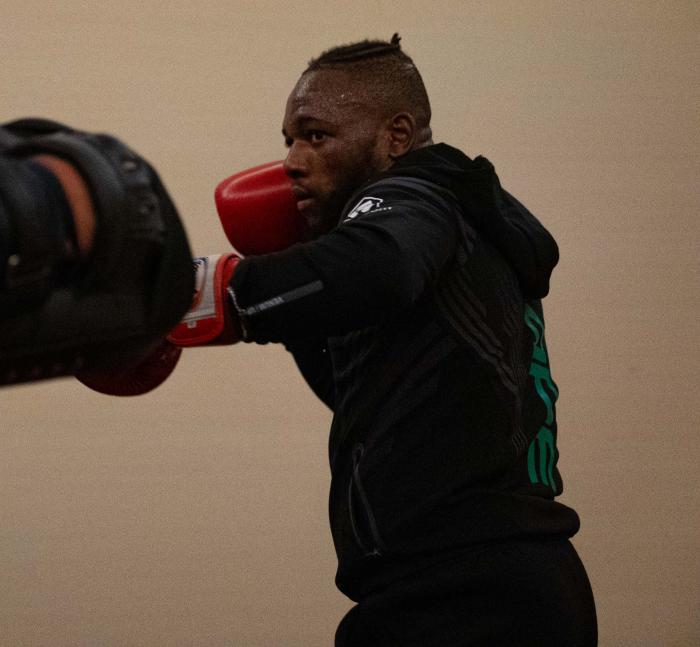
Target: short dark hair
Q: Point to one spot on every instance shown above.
(385, 70)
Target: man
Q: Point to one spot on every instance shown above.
(413, 311)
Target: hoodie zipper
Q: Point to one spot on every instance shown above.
(377, 548)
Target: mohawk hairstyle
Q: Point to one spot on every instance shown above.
(357, 51)
(385, 70)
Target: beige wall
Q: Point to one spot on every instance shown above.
(197, 515)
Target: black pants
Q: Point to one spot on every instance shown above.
(512, 593)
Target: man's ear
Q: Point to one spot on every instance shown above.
(402, 134)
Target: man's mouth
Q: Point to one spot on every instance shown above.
(303, 197)
(303, 205)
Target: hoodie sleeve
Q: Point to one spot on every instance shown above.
(388, 248)
(313, 359)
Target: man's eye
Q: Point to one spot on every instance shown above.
(316, 136)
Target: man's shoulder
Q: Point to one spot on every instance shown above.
(399, 192)
(399, 189)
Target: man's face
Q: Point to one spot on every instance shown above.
(335, 142)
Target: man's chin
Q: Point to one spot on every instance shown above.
(318, 222)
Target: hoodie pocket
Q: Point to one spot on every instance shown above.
(362, 519)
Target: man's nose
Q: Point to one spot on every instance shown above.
(296, 163)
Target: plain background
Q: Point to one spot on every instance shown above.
(196, 515)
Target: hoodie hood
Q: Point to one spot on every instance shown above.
(527, 246)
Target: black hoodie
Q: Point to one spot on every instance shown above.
(417, 320)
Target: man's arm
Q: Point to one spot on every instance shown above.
(314, 363)
(369, 268)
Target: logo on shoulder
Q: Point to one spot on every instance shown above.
(363, 206)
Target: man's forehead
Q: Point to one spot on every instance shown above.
(325, 91)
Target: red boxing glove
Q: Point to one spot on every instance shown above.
(212, 318)
(137, 380)
(258, 210)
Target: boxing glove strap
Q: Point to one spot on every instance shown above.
(210, 319)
